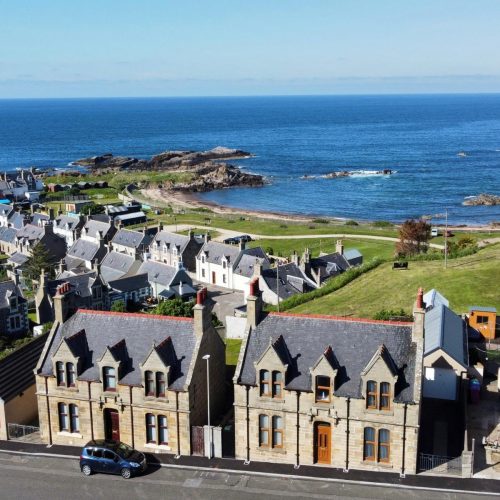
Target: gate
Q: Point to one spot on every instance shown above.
(18, 431)
(197, 441)
(439, 464)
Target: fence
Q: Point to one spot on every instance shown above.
(440, 464)
(18, 431)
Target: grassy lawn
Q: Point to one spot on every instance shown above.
(196, 230)
(471, 280)
(232, 351)
(369, 248)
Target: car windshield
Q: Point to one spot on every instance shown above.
(124, 450)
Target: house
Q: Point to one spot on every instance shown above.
(283, 281)
(18, 401)
(131, 218)
(138, 378)
(6, 211)
(116, 265)
(30, 236)
(85, 254)
(133, 243)
(76, 206)
(68, 227)
(13, 309)
(95, 230)
(173, 248)
(166, 281)
(445, 353)
(483, 319)
(85, 290)
(15, 185)
(229, 266)
(130, 289)
(8, 240)
(326, 390)
(114, 210)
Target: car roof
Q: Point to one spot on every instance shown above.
(104, 443)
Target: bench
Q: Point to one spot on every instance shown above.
(400, 265)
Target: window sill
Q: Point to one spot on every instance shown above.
(272, 450)
(76, 435)
(158, 447)
(384, 413)
(374, 463)
(154, 398)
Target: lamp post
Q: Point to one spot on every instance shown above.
(207, 359)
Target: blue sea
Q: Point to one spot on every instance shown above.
(419, 136)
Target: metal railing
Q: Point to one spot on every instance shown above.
(440, 464)
(18, 431)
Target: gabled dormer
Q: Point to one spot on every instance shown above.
(271, 368)
(113, 365)
(158, 369)
(323, 374)
(69, 359)
(378, 380)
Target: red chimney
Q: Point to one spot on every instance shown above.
(420, 298)
(201, 296)
(254, 287)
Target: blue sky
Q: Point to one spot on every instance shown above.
(55, 48)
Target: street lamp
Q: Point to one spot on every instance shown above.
(207, 359)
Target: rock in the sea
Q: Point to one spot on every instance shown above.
(482, 199)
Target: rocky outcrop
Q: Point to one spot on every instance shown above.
(482, 199)
(358, 173)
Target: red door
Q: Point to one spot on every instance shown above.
(111, 424)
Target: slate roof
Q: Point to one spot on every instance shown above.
(131, 239)
(140, 332)
(131, 216)
(130, 283)
(116, 264)
(38, 218)
(18, 258)
(17, 369)
(16, 220)
(292, 280)
(94, 226)
(79, 283)
(85, 250)
(31, 232)
(7, 289)
(65, 220)
(216, 250)
(352, 254)
(329, 265)
(447, 331)
(246, 263)
(354, 344)
(6, 210)
(172, 239)
(8, 234)
(158, 272)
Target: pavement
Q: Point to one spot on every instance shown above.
(273, 480)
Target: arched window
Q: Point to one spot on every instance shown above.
(277, 432)
(150, 428)
(160, 385)
(62, 409)
(384, 446)
(263, 430)
(109, 378)
(385, 396)
(369, 444)
(162, 429)
(74, 418)
(371, 394)
(323, 389)
(61, 381)
(149, 383)
(265, 383)
(70, 374)
(277, 385)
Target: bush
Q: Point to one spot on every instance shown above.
(351, 223)
(393, 315)
(321, 221)
(119, 306)
(269, 250)
(382, 223)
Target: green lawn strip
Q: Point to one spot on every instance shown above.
(470, 280)
(232, 351)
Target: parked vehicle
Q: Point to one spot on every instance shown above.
(231, 241)
(434, 232)
(235, 240)
(111, 457)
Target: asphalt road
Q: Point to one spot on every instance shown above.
(25, 477)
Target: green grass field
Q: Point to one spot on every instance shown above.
(471, 280)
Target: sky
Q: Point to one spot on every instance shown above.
(108, 48)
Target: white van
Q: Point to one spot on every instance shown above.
(434, 232)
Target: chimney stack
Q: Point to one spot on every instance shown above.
(339, 247)
(417, 333)
(242, 244)
(51, 214)
(295, 258)
(202, 316)
(61, 303)
(254, 304)
(257, 269)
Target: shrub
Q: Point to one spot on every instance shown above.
(321, 221)
(382, 223)
(119, 306)
(393, 315)
(351, 223)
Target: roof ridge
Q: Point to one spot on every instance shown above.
(343, 318)
(134, 315)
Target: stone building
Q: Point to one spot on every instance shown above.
(13, 309)
(139, 378)
(331, 391)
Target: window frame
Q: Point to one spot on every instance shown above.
(70, 375)
(319, 387)
(60, 374)
(481, 319)
(371, 394)
(107, 377)
(74, 418)
(384, 444)
(151, 434)
(62, 411)
(162, 429)
(263, 382)
(149, 383)
(277, 430)
(161, 384)
(372, 443)
(385, 395)
(264, 428)
(277, 384)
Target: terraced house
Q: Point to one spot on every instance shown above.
(329, 391)
(139, 378)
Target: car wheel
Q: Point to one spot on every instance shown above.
(86, 470)
(126, 473)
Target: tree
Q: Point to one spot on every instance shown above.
(40, 259)
(92, 209)
(413, 237)
(119, 306)
(175, 307)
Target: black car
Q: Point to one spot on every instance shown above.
(111, 457)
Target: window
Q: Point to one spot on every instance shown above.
(60, 374)
(263, 430)
(70, 374)
(203, 273)
(150, 428)
(149, 383)
(74, 418)
(323, 389)
(109, 455)
(160, 385)
(385, 396)
(265, 388)
(13, 302)
(203, 259)
(277, 432)
(277, 384)
(223, 278)
(63, 417)
(371, 394)
(162, 429)
(369, 444)
(384, 445)
(109, 378)
(224, 265)
(481, 319)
